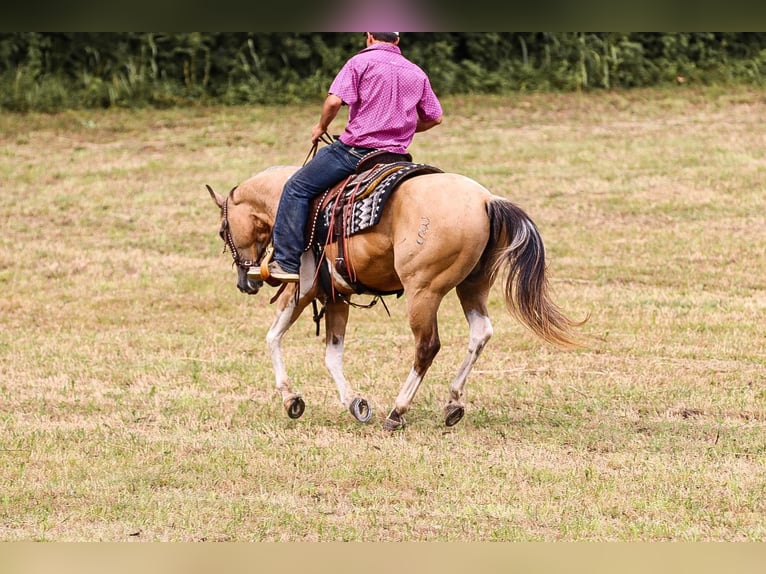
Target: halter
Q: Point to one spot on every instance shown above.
(229, 240)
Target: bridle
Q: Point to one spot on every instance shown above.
(229, 240)
(226, 229)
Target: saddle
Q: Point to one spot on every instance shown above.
(354, 205)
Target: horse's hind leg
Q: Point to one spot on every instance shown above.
(473, 299)
(421, 307)
(336, 318)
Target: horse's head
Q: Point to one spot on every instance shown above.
(245, 233)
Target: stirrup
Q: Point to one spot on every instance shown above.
(267, 257)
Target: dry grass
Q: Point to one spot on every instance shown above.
(136, 398)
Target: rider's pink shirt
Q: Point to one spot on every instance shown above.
(385, 93)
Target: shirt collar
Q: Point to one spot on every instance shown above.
(383, 46)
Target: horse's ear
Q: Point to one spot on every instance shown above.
(217, 198)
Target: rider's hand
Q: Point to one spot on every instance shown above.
(316, 133)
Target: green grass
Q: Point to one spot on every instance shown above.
(136, 391)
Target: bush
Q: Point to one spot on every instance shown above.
(52, 71)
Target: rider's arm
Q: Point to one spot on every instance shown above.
(330, 109)
(424, 125)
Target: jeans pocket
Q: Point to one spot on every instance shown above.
(357, 152)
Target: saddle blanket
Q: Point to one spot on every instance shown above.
(364, 196)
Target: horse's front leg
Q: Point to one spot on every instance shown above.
(336, 319)
(288, 310)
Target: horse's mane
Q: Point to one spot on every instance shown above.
(262, 185)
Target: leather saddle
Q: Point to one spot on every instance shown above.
(354, 205)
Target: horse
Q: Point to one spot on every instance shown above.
(437, 232)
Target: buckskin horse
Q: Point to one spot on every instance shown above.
(436, 232)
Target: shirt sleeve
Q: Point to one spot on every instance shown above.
(429, 107)
(346, 83)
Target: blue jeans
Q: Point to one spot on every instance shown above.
(330, 165)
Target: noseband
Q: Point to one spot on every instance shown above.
(229, 241)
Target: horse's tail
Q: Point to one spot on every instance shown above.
(516, 248)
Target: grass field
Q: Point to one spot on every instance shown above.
(136, 392)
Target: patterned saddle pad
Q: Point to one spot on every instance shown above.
(358, 205)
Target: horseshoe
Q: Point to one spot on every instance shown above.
(454, 414)
(361, 410)
(295, 407)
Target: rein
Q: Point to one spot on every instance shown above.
(325, 138)
(228, 241)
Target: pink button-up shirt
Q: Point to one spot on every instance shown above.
(386, 94)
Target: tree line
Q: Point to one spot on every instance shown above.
(49, 71)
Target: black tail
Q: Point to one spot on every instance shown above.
(516, 249)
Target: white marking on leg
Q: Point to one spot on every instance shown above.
(410, 387)
(278, 328)
(334, 364)
(480, 329)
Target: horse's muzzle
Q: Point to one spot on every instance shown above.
(245, 284)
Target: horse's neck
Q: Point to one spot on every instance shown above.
(263, 190)
(263, 200)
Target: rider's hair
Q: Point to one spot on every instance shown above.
(389, 37)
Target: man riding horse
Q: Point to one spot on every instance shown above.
(434, 232)
(389, 100)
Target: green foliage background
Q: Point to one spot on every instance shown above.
(61, 70)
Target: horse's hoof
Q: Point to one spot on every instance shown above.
(361, 410)
(295, 407)
(393, 422)
(454, 414)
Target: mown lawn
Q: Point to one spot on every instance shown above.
(136, 391)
